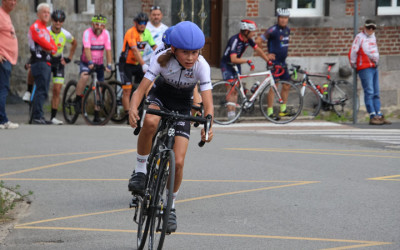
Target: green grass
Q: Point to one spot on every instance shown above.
(7, 202)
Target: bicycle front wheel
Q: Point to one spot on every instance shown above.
(341, 96)
(161, 208)
(290, 97)
(68, 103)
(99, 105)
(227, 101)
(311, 102)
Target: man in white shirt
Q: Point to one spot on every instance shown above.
(156, 28)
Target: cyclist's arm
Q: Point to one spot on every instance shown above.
(108, 57)
(137, 55)
(236, 60)
(208, 109)
(261, 53)
(136, 99)
(74, 44)
(88, 54)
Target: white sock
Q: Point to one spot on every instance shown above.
(174, 195)
(141, 161)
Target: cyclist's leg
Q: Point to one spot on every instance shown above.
(58, 81)
(284, 92)
(83, 78)
(228, 74)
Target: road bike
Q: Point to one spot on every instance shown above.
(152, 208)
(98, 104)
(231, 98)
(330, 95)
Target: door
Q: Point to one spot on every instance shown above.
(207, 15)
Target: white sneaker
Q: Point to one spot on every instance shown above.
(55, 121)
(9, 125)
(27, 96)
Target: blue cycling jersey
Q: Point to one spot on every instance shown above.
(278, 42)
(236, 45)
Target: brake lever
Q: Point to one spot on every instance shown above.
(207, 126)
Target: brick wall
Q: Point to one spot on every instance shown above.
(146, 5)
(350, 7)
(252, 8)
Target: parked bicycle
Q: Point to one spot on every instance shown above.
(232, 97)
(151, 209)
(330, 95)
(98, 104)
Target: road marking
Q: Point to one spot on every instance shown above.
(386, 178)
(300, 151)
(64, 154)
(67, 163)
(359, 243)
(292, 124)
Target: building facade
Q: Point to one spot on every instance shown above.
(321, 31)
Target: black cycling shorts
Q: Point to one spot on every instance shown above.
(58, 70)
(131, 70)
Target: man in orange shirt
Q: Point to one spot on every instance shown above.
(8, 56)
(131, 64)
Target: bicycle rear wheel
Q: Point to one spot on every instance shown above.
(98, 110)
(68, 103)
(227, 101)
(119, 115)
(341, 96)
(311, 102)
(161, 209)
(294, 103)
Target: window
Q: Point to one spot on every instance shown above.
(302, 8)
(388, 7)
(89, 7)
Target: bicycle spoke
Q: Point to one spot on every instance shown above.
(311, 103)
(341, 96)
(227, 103)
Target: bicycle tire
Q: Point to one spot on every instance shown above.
(30, 112)
(106, 102)
(294, 103)
(159, 214)
(221, 93)
(341, 96)
(119, 115)
(68, 103)
(311, 102)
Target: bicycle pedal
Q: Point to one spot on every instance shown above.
(134, 203)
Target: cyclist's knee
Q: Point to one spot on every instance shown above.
(179, 162)
(126, 91)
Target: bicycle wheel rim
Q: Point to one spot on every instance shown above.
(97, 110)
(119, 115)
(143, 225)
(68, 103)
(311, 103)
(294, 103)
(225, 101)
(341, 96)
(160, 220)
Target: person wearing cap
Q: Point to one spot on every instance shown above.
(61, 36)
(95, 40)
(146, 45)
(234, 50)
(364, 57)
(176, 72)
(277, 39)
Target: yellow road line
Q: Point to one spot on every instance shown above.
(245, 191)
(306, 152)
(74, 216)
(67, 163)
(386, 178)
(64, 154)
(359, 243)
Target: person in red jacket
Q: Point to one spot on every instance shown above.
(42, 46)
(364, 57)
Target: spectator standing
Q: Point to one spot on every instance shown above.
(42, 46)
(364, 57)
(61, 36)
(8, 57)
(155, 26)
(147, 44)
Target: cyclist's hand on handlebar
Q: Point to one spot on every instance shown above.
(203, 135)
(271, 56)
(251, 64)
(133, 117)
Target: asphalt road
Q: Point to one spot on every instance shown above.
(310, 186)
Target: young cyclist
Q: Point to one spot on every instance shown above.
(277, 38)
(179, 69)
(95, 40)
(234, 50)
(61, 36)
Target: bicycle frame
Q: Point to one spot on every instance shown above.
(269, 80)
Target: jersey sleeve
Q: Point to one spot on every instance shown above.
(253, 44)
(86, 39)
(44, 40)
(107, 44)
(154, 69)
(132, 39)
(354, 50)
(204, 75)
(68, 35)
(234, 47)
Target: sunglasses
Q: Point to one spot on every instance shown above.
(155, 7)
(142, 23)
(58, 21)
(370, 27)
